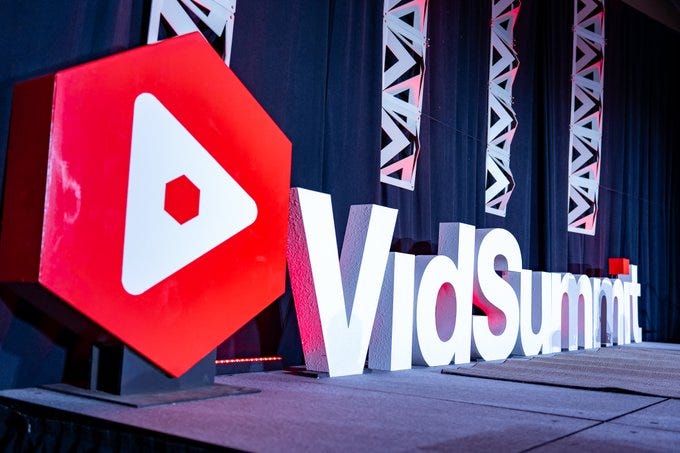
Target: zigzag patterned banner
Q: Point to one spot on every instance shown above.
(213, 18)
(586, 115)
(502, 122)
(404, 43)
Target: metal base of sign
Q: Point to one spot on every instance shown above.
(118, 370)
(300, 370)
(304, 372)
(119, 375)
(155, 398)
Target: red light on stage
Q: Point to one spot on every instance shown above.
(619, 266)
(248, 360)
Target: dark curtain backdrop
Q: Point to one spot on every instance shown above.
(39, 37)
(315, 67)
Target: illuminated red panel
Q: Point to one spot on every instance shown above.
(182, 199)
(619, 266)
(94, 140)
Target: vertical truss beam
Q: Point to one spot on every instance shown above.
(213, 18)
(404, 44)
(501, 118)
(587, 79)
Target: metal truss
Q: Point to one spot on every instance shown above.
(586, 115)
(502, 121)
(213, 18)
(404, 44)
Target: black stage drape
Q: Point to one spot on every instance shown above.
(315, 66)
(38, 37)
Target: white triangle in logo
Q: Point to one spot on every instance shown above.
(156, 245)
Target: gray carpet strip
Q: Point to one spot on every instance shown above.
(624, 369)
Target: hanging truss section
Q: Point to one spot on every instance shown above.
(404, 45)
(213, 18)
(501, 118)
(586, 115)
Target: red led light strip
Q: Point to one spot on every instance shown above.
(247, 360)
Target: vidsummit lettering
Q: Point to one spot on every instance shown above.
(405, 310)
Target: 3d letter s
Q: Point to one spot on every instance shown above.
(495, 333)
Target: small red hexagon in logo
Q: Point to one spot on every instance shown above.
(182, 199)
(110, 149)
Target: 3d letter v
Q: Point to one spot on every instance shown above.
(336, 299)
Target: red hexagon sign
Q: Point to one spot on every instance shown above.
(149, 191)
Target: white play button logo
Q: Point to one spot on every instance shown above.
(156, 245)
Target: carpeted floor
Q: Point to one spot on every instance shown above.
(419, 409)
(653, 371)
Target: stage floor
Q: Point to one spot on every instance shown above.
(419, 409)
